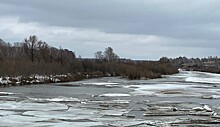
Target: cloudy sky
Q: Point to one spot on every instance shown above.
(136, 29)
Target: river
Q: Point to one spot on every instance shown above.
(184, 99)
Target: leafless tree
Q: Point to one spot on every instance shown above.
(99, 56)
(30, 46)
(44, 52)
(110, 55)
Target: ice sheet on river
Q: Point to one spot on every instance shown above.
(202, 77)
(58, 99)
(7, 93)
(113, 101)
(16, 106)
(114, 95)
(158, 89)
(212, 80)
(102, 83)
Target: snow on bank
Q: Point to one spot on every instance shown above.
(33, 79)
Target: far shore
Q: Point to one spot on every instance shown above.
(40, 79)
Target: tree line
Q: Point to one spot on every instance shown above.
(209, 64)
(34, 56)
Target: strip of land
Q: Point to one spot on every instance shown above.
(33, 61)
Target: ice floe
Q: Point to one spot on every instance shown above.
(202, 77)
(18, 120)
(101, 83)
(7, 93)
(58, 99)
(152, 89)
(114, 112)
(111, 102)
(8, 105)
(115, 95)
(203, 80)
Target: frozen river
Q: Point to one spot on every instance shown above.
(184, 99)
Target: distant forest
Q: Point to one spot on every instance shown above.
(210, 64)
(34, 56)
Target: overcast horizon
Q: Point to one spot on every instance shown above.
(135, 29)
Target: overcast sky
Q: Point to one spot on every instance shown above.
(136, 29)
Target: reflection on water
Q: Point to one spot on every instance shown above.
(112, 101)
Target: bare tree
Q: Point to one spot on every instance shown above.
(61, 55)
(109, 55)
(30, 46)
(44, 52)
(99, 56)
(3, 49)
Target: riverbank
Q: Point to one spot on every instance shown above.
(46, 79)
(40, 79)
(209, 70)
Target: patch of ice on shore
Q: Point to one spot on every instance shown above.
(4, 80)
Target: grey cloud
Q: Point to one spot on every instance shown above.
(184, 23)
(124, 16)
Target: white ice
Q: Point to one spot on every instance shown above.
(58, 99)
(203, 80)
(9, 105)
(101, 83)
(114, 95)
(7, 93)
(115, 112)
